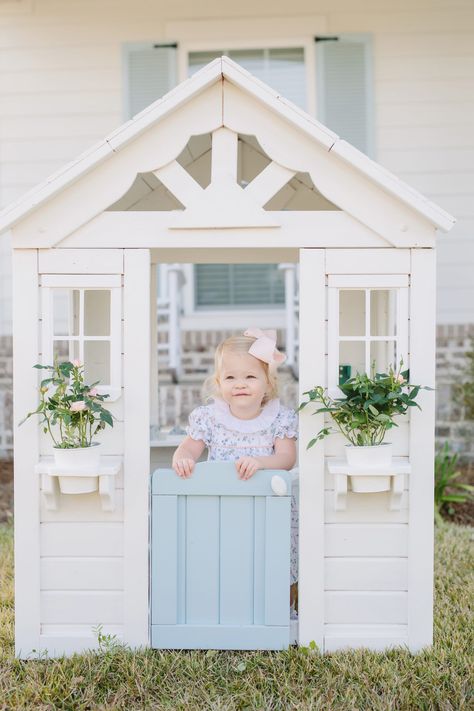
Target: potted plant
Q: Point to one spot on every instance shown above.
(72, 414)
(363, 415)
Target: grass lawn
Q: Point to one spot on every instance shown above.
(440, 678)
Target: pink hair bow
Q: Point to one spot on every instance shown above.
(264, 348)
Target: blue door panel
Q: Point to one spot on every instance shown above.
(220, 560)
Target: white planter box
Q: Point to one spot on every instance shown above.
(78, 469)
(371, 461)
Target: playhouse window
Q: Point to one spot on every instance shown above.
(82, 321)
(368, 325)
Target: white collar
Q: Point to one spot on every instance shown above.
(223, 415)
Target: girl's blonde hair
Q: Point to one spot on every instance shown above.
(237, 344)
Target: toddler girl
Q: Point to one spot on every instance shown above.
(244, 422)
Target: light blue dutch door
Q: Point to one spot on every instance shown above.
(220, 560)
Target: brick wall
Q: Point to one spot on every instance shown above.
(452, 344)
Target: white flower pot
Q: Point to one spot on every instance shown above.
(370, 460)
(79, 469)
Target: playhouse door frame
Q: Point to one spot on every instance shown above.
(312, 371)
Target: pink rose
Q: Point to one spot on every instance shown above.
(400, 379)
(78, 406)
(93, 392)
(76, 363)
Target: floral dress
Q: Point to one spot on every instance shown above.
(228, 438)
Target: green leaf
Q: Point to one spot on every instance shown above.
(105, 416)
(311, 443)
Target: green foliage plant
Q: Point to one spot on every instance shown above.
(446, 473)
(368, 406)
(70, 411)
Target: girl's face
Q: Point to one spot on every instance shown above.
(243, 383)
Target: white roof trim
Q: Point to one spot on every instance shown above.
(212, 72)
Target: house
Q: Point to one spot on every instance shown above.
(364, 241)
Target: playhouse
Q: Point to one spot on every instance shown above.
(202, 176)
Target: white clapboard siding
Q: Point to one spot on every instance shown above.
(374, 261)
(357, 607)
(365, 574)
(78, 261)
(58, 640)
(368, 508)
(83, 507)
(365, 539)
(81, 607)
(376, 637)
(81, 539)
(64, 573)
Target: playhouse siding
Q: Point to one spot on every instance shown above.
(423, 94)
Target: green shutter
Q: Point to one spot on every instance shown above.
(237, 285)
(151, 72)
(345, 89)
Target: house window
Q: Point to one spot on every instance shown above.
(367, 325)
(238, 285)
(281, 68)
(81, 320)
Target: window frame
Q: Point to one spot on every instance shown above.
(105, 282)
(365, 282)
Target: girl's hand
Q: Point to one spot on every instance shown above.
(247, 466)
(184, 467)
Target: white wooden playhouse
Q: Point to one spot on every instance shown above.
(202, 176)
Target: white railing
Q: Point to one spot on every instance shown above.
(291, 312)
(169, 307)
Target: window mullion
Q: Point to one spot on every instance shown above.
(81, 325)
(367, 331)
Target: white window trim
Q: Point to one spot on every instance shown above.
(112, 283)
(368, 282)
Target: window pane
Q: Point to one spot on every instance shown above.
(383, 305)
(352, 354)
(383, 353)
(282, 68)
(97, 312)
(65, 312)
(65, 350)
(352, 312)
(198, 60)
(97, 362)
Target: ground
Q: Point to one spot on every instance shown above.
(440, 678)
(6, 490)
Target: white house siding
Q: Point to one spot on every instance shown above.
(61, 88)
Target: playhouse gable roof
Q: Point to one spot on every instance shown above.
(218, 71)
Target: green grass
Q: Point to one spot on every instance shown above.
(439, 678)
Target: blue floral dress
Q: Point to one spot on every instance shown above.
(228, 438)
